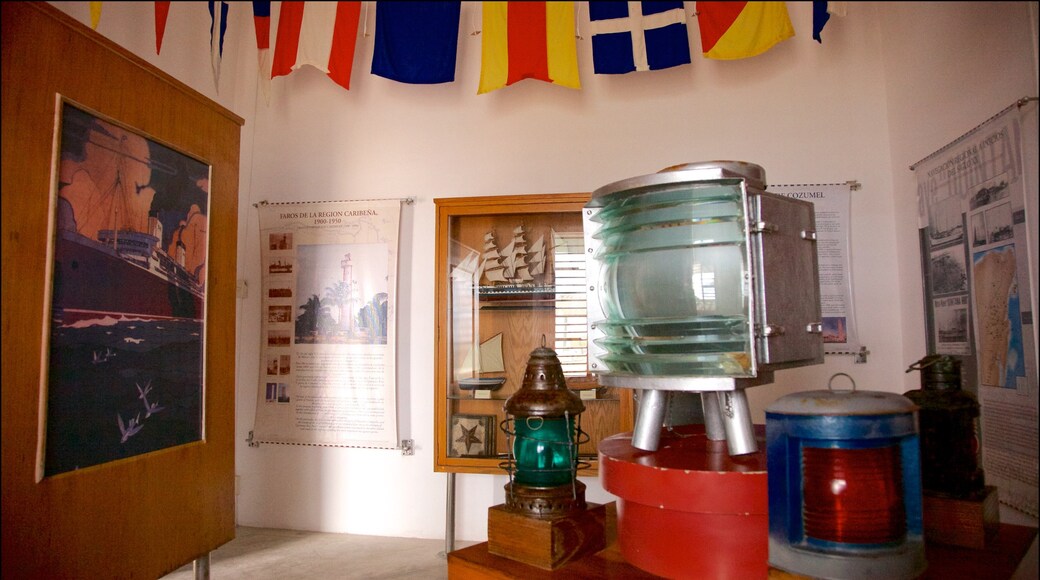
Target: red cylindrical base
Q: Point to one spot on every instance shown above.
(689, 509)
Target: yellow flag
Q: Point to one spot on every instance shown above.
(95, 14)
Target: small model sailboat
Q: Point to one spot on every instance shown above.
(483, 358)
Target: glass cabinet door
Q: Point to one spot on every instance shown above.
(511, 278)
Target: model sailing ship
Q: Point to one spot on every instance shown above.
(514, 271)
(513, 276)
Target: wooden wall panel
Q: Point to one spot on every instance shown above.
(147, 515)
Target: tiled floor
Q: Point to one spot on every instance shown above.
(262, 554)
(259, 554)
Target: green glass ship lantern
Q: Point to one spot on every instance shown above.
(545, 520)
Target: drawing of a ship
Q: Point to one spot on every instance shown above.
(121, 273)
(483, 359)
(108, 255)
(515, 271)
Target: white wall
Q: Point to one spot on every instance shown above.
(980, 59)
(876, 96)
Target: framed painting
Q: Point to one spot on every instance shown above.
(125, 339)
(473, 435)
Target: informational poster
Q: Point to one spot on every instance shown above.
(328, 340)
(831, 203)
(973, 196)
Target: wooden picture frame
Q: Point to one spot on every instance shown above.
(473, 435)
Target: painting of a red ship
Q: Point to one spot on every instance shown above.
(128, 294)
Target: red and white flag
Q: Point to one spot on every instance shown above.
(321, 34)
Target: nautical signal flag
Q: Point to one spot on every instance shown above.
(262, 26)
(638, 36)
(319, 34)
(217, 29)
(821, 13)
(732, 30)
(162, 10)
(528, 40)
(416, 42)
(95, 14)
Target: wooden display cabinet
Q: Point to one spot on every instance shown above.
(510, 271)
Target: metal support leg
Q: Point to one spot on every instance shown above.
(449, 516)
(712, 416)
(647, 432)
(736, 418)
(201, 566)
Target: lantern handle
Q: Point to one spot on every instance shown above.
(851, 380)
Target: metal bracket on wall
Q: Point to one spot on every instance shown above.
(407, 447)
(861, 354)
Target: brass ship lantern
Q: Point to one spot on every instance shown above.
(544, 425)
(545, 520)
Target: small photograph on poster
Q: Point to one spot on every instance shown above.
(945, 224)
(343, 294)
(279, 292)
(283, 393)
(834, 330)
(951, 325)
(272, 392)
(949, 273)
(279, 266)
(279, 338)
(280, 241)
(279, 313)
(979, 233)
(284, 365)
(998, 221)
(992, 191)
(272, 364)
(126, 320)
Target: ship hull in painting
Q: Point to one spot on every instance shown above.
(91, 279)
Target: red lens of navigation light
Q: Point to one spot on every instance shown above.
(853, 496)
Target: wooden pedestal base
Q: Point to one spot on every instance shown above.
(967, 522)
(546, 543)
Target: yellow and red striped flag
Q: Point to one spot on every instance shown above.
(528, 40)
(732, 30)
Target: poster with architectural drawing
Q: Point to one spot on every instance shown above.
(328, 345)
(974, 200)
